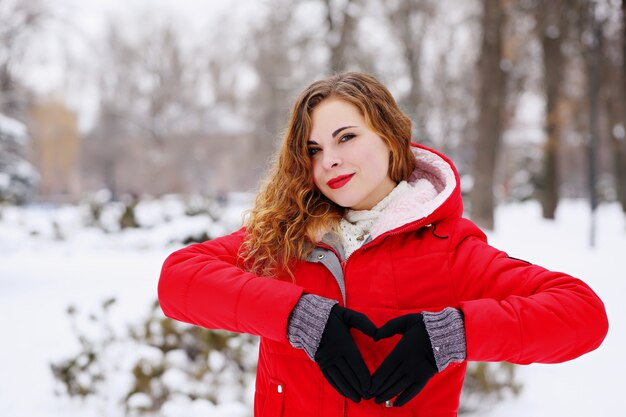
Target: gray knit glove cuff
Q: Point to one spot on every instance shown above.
(446, 330)
(307, 322)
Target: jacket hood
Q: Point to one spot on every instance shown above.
(433, 193)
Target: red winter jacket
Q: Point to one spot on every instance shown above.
(423, 256)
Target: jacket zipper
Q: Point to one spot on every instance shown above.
(344, 263)
(406, 228)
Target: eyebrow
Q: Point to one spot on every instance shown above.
(335, 133)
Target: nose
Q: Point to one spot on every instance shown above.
(331, 159)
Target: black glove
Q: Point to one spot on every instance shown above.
(339, 358)
(410, 364)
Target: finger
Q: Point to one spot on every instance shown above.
(408, 394)
(401, 384)
(382, 377)
(352, 378)
(332, 376)
(343, 384)
(392, 327)
(357, 364)
(360, 322)
(394, 385)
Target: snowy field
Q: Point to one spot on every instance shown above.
(41, 275)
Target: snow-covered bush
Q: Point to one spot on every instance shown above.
(157, 365)
(170, 214)
(487, 383)
(18, 177)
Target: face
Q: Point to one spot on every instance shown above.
(350, 161)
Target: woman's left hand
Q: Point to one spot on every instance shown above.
(409, 366)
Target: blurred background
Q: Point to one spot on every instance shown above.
(129, 129)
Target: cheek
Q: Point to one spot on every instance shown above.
(378, 164)
(383, 156)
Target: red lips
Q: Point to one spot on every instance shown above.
(339, 181)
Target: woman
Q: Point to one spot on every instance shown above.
(356, 227)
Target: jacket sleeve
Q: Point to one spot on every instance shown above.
(202, 285)
(518, 312)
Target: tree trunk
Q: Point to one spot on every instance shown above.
(273, 68)
(409, 20)
(619, 144)
(614, 74)
(339, 34)
(593, 85)
(109, 134)
(615, 115)
(552, 26)
(492, 101)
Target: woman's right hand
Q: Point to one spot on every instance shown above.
(338, 356)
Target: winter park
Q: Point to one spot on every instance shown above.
(130, 131)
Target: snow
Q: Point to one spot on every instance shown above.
(41, 274)
(11, 128)
(590, 385)
(5, 180)
(17, 176)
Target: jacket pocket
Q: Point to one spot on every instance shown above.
(273, 406)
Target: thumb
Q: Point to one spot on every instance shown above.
(360, 322)
(399, 325)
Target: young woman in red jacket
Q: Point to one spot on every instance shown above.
(356, 227)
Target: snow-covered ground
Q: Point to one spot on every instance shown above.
(591, 385)
(40, 276)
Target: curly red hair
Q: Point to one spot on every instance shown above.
(290, 214)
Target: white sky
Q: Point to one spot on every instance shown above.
(51, 63)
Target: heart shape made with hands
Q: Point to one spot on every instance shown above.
(409, 366)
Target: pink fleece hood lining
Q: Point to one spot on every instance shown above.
(431, 183)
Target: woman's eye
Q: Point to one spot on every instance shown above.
(313, 151)
(346, 137)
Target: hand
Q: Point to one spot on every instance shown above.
(409, 366)
(339, 358)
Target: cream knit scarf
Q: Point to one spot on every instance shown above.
(355, 226)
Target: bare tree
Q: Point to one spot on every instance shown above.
(593, 84)
(618, 135)
(341, 18)
(274, 71)
(552, 26)
(409, 20)
(148, 93)
(171, 99)
(19, 21)
(117, 87)
(492, 99)
(452, 102)
(613, 74)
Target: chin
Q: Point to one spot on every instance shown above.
(343, 200)
(345, 203)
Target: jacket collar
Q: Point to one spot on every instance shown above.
(433, 183)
